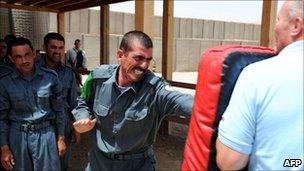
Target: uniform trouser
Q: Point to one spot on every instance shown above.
(65, 159)
(34, 150)
(98, 161)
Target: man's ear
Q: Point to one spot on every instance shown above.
(119, 54)
(297, 28)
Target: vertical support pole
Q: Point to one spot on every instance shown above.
(104, 34)
(60, 23)
(268, 23)
(61, 29)
(144, 16)
(167, 49)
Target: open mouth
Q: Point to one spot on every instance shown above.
(138, 71)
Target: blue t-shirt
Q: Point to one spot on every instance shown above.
(264, 118)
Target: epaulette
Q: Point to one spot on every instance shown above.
(151, 78)
(48, 70)
(104, 71)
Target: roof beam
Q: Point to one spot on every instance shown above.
(11, 1)
(50, 3)
(80, 6)
(89, 4)
(31, 2)
(26, 7)
(64, 4)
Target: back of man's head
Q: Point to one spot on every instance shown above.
(290, 24)
(76, 41)
(129, 38)
(8, 38)
(19, 41)
(52, 36)
(296, 8)
(295, 12)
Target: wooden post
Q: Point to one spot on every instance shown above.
(167, 49)
(168, 33)
(104, 34)
(60, 23)
(144, 16)
(61, 29)
(268, 23)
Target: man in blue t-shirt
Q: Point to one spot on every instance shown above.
(263, 123)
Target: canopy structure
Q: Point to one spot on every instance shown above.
(144, 12)
(55, 5)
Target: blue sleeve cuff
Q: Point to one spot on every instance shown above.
(234, 143)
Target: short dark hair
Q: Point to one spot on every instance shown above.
(17, 42)
(54, 36)
(128, 39)
(8, 38)
(76, 41)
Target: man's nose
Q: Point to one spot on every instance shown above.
(24, 59)
(145, 64)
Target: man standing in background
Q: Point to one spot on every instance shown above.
(54, 48)
(32, 121)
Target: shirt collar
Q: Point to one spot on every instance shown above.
(291, 47)
(113, 80)
(41, 62)
(37, 71)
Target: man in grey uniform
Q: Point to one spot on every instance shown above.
(30, 113)
(54, 48)
(125, 105)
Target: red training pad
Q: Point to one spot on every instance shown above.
(218, 70)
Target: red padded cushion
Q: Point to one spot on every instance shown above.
(217, 73)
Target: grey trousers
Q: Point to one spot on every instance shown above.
(34, 150)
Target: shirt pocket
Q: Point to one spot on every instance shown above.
(44, 100)
(136, 115)
(101, 110)
(18, 101)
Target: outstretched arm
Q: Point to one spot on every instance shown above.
(82, 112)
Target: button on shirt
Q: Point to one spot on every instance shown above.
(31, 99)
(128, 119)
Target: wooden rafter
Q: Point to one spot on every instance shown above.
(65, 4)
(50, 3)
(79, 6)
(12, 1)
(26, 7)
(54, 5)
